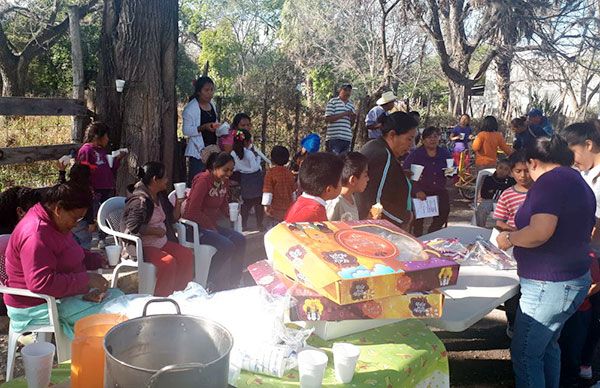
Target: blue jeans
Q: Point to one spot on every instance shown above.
(227, 264)
(543, 310)
(338, 146)
(195, 166)
(572, 342)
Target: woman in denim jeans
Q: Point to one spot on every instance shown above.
(552, 247)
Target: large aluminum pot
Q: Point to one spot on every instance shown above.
(167, 351)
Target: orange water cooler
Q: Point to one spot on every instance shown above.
(87, 352)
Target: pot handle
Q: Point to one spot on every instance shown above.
(160, 300)
(176, 368)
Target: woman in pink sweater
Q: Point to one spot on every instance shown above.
(206, 205)
(43, 257)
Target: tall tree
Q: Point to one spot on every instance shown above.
(40, 28)
(139, 45)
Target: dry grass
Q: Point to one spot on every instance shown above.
(30, 131)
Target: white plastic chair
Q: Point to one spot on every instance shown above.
(478, 184)
(202, 253)
(110, 215)
(44, 332)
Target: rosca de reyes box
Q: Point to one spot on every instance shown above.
(354, 261)
(310, 306)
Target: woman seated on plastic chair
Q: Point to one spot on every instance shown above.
(149, 214)
(207, 205)
(43, 257)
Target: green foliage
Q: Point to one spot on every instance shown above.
(187, 71)
(220, 50)
(323, 82)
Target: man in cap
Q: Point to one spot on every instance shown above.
(373, 121)
(537, 122)
(339, 116)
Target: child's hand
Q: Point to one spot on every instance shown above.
(269, 211)
(61, 166)
(421, 196)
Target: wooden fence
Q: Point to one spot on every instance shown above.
(23, 106)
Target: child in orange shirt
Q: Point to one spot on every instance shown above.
(279, 186)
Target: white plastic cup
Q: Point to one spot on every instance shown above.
(416, 170)
(234, 209)
(124, 150)
(462, 136)
(180, 189)
(449, 163)
(65, 159)
(111, 160)
(37, 360)
(345, 357)
(115, 154)
(311, 365)
(113, 253)
(119, 84)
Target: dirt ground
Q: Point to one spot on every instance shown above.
(479, 356)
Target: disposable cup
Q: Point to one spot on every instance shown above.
(115, 154)
(111, 160)
(113, 253)
(180, 189)
(120, 84)
(311, 365)
(416, 170)
(344, 360)
(124, 150)
(37, 360)
(462, 136)
(65, 159)
(450, 163)
(234, 209)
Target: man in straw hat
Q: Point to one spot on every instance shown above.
(384, 105)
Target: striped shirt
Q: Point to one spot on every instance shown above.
(340, 129)
(509, 202)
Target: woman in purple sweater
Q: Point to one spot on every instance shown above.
(552, 249)
(433, 181)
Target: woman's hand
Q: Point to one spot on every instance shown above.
(421, 196)
(97, 281)
(503, 241)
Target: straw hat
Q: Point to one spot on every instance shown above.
(386, 97)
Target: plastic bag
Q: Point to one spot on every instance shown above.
(448, 247)
(483, 252)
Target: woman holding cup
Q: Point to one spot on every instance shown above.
(388, 184)
(207, 205)
(149, 214)
(436, 163)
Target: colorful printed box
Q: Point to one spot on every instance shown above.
(310, 306)
(356, 261)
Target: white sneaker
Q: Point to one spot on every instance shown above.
(585, 372)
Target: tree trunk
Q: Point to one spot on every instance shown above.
(387, 76)
(139, 45)
(459, 98)
(11, 79)
(503, 67)
(78, 77)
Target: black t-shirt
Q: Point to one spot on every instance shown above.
(209, 137)
(493, 186)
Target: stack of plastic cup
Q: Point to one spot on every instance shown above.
(311, 365)
(180, 189)
(344, 359)
(37, 360)
(234, 208)
(113, 254)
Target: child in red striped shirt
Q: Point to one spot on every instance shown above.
(511, 199)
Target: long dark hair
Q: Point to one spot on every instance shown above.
(218, 160)
(13, 198)
(240, 137)
(199, 84)
(150, 171)
(489, 124)
(550, 150)
(237, 119)
(69, 196)
(579, 133)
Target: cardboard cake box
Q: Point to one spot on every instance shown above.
(355, 261)
(310, 306)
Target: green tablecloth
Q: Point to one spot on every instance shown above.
(404, 354)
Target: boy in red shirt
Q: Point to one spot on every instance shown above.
(320, 180)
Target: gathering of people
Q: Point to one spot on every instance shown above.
(543, 195)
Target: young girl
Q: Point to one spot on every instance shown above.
(247, 163)
(94, 154)
(241, 121)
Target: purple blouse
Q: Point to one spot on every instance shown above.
(432, 179)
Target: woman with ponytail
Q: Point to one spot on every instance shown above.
(208, 206)
(200, 122)
(247, 164)
(552, 250)
(149, 214)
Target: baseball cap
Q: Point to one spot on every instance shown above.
(535, 112)
(346, 85)
(311, 143)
